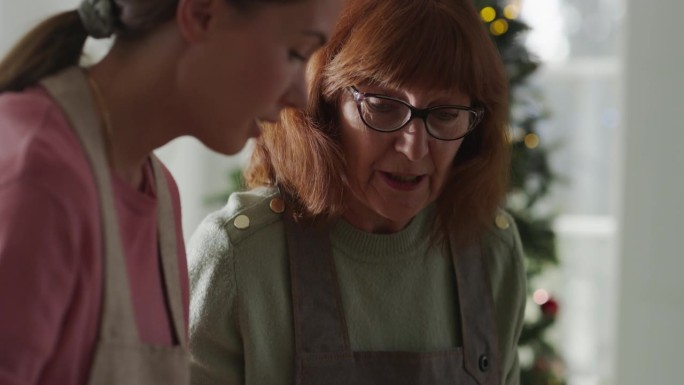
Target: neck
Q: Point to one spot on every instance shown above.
(136, 98)
(366, 220)
(125, 155)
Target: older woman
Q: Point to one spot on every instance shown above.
(371, 249)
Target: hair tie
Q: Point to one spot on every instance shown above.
(98, 17)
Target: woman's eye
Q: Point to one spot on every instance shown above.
(296, 55)
(447, 115)
(379, 105)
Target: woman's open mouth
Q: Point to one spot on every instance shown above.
(402, 182)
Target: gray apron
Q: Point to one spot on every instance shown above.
(120, 357)
(323, 355)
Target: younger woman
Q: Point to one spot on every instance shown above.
(93, 280)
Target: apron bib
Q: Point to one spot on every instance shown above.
(120, 357)
(323, 354)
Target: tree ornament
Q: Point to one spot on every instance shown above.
(550, 308)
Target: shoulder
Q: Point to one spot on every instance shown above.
(504, 257)
(502, 246)
(503, 231)
(245, 216)
(38, 145)
(31, 117)
(240, 236)
(40, 155)
(26, 107)
(505, 261)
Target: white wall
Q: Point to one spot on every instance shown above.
(651, 315)
(201, 175)
(18, 16)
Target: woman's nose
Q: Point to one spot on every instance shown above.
(412, 140)
(295, 95)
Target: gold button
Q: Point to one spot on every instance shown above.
(502, 222)
(277, 205)
(241, 222)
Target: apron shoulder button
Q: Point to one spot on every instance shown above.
(277, 205)
(241, 222)
(484, 363)
(502, 222)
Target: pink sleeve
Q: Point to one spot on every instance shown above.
(38, 259)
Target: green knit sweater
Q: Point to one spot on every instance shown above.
(398, 293)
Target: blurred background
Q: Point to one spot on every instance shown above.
(596, 114)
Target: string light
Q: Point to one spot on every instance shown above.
(511, 11)
(488, 14)
(498, 27)
(531, 141)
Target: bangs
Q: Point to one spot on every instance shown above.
(397, 44)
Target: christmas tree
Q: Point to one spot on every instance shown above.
(531, 178)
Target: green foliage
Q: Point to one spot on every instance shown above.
(531, 178)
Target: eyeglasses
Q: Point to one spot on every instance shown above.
(387, 114)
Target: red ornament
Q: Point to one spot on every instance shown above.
(550, 308)
(541, 364)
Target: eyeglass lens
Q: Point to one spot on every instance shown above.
(389, 115)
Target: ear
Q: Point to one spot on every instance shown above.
(193, 18)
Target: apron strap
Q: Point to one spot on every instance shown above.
(71, 91)
(319, 322)
(168, 249)
(480, 341)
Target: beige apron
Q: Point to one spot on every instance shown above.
(120, 356)
(323, 355)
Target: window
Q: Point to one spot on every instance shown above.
(578, 43)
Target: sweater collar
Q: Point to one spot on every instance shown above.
(376, 248)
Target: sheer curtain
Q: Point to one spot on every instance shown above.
(612, 80)
(651, 311)
(579, 81)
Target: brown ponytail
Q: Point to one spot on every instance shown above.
(53, 45)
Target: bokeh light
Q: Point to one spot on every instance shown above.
(488, 14)
(511, 11)
(531, 141)
(547, 37)
(498, 27)
(540, 296)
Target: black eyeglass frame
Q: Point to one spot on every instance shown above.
(422, 113)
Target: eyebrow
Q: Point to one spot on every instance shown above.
(322, 38)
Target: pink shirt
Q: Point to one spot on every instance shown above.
(50, 248)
